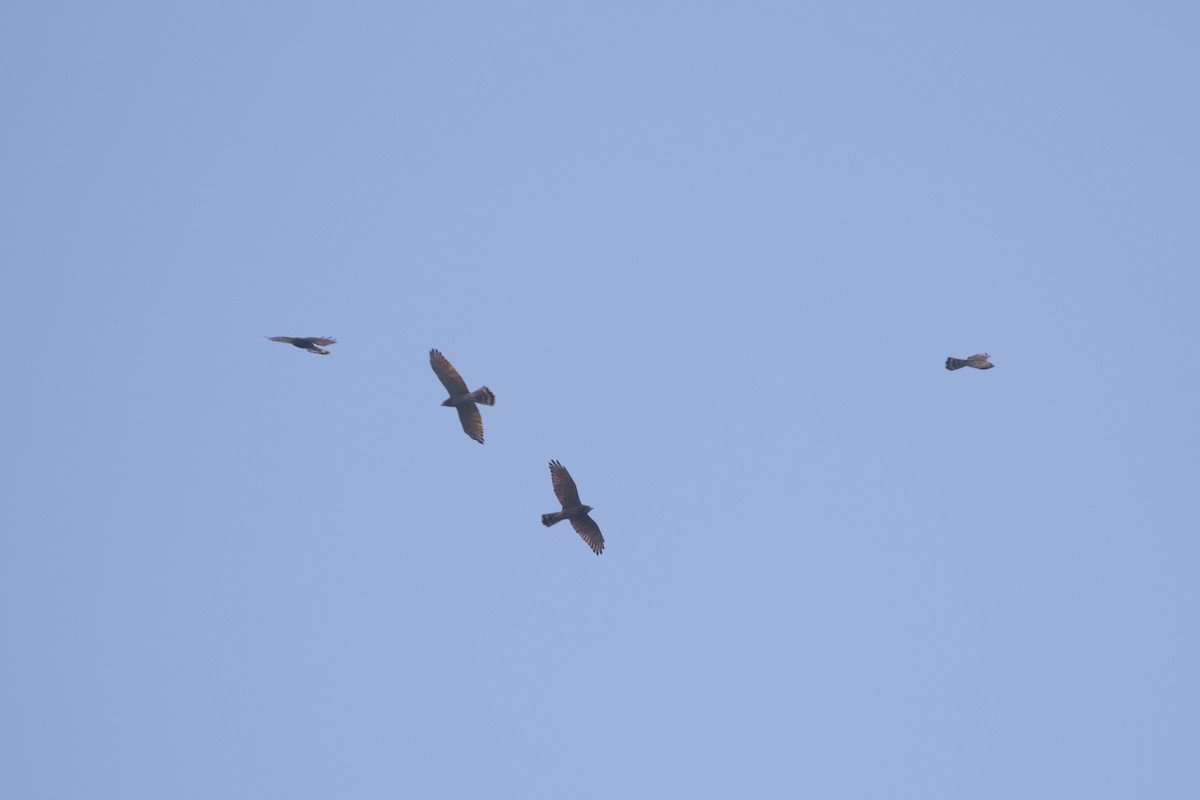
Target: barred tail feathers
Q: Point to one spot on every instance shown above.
(484, 395)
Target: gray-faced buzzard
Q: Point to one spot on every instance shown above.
(978, 361)
(572, 509)
(308, 343)
(460, 397)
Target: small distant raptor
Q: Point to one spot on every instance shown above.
(978, 361)
(572, 509)
(461, 397)
(308, 343)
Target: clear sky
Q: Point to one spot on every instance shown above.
(712, 257)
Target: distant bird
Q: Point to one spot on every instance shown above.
(308, 343)
(572, 509)
(460, 397)
(978, 361)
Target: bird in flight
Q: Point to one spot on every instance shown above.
(308, 343)
(460, 397)
(572, 509)
(978, 361)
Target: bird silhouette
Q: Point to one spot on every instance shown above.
(462, 398)
(573, 509)
(978, 361)
(308, 343)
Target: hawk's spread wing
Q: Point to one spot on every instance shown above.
(472, 420)
(565, 491)
(450, 378)
(980, 361)
(589, 531)
(303, 341)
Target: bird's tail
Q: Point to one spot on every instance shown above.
(550, 519)
(955, 363)
(318, 351)
(484, 395)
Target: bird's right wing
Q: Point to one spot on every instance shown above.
(447, 374)
(589, 531)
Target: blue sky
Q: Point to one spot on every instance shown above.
(712, 258)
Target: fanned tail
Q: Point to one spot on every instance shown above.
(484, 395)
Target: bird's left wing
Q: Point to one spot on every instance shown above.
(564, 485)
(472, 421)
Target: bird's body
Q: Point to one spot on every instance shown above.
(978, 361)
(461, 398)
(572, 509)
(309, 343)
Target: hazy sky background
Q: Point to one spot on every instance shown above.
(711, 257)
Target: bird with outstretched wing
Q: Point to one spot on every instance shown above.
(461, 398)
(978, 361)
(309, 343)
(573, 509)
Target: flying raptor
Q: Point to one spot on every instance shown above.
(308, 343)
(572, 509)
(978, 361)
(461, 397)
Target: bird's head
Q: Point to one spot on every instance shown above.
(586, 509)
(447, 402)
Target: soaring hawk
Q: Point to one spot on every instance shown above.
(978, 361)
(460, 397)
(572, 509)
(308, 343)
